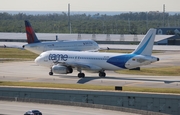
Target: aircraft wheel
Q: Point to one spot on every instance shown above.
(81, 75)
(50, 73)
(70, 70)
(102, 74)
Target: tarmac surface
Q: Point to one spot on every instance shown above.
(18, 108)
(102, 46)
(28, 71)
(75, 36)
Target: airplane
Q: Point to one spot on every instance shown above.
(63, 62)
(34, 45)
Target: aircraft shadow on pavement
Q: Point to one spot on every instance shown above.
(65, 76)
(87, 79)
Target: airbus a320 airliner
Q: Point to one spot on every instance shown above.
(34, 45)
(63, 62)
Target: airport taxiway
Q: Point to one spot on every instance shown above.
(102, 46)
(28, 71)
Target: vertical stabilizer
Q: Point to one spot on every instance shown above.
(31, 36)
(146, 45)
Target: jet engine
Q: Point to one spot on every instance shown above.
(61, 69)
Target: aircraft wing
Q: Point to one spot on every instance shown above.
(85, 66)
(103, 47)
(11, 45)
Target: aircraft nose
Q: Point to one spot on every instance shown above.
(37, 60)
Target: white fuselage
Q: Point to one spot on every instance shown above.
(94, 60)
(77, 45)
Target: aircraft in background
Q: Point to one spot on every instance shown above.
(34, 45)
(63, 62)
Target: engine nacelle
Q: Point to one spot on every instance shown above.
(61, 69)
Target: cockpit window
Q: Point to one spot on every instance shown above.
(134, 59)
(41, 55)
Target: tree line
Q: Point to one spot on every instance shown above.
(123, 23)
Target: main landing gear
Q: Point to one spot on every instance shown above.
(102, 74)
(80, 74)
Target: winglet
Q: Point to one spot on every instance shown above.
(146, 45)
(31, 36)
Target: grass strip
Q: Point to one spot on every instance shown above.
(89, 87)
(16, 53)
(127, 51)
(24, 54)
(56, 85)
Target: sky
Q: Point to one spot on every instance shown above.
(90, 5)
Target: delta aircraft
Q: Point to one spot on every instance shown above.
(63, 62)
(34, 45)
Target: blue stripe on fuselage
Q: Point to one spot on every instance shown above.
(121, 60)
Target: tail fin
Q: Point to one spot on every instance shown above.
(31, 36)
(146, 45)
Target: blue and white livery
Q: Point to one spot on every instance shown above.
(63, 62)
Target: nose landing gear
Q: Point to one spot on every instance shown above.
(51, 73)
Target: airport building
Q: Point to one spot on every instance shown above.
(173, 40)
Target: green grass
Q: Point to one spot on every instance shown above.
(24, 54)
(160, 71)
(55, 85)
(89, 87)
(126, 51)
(13, 53)
(13, 60)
